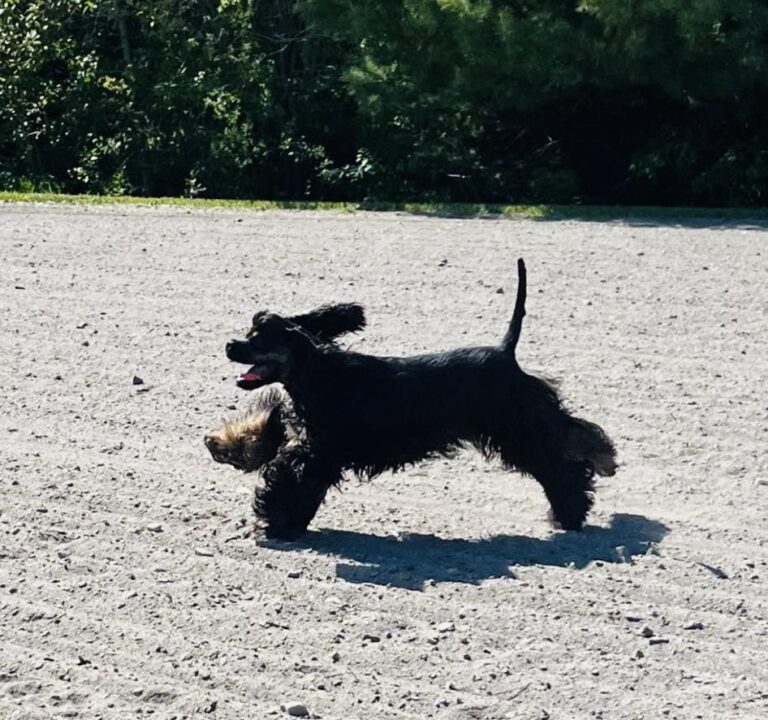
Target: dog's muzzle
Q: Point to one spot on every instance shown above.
(214, 448)
(238, 351)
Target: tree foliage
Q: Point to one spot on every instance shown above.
(645, 101)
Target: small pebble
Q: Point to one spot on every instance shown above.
(155, 528)
(295, 709)
(204, 552)
(137, 380)
(646, 632)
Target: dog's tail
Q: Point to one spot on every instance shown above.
(509, 343)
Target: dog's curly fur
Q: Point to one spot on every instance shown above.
(250, 442)
(370, 414)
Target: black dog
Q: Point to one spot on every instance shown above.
(370, 414)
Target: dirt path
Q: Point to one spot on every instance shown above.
(127, 590)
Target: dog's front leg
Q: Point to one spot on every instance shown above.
(294, 486)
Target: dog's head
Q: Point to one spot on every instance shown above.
(249, 443)
(275, 345)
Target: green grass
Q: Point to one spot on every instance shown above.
(450, 209)
(172, 202)
(456, 210)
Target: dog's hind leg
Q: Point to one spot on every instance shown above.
(567, 472)
(570, 491)
(566, 483)
(295, 484)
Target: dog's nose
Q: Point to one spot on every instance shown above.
(236, 350)
(210, 442)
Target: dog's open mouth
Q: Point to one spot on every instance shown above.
(258, 375)
(266, 370)
(254, 377)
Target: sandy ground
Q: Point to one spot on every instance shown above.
(127, 588)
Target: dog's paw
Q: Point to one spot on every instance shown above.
(284, 533)
(263, 529)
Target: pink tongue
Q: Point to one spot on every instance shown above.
(250, 376)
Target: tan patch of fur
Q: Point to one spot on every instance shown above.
(252, 425)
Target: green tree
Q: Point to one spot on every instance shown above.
(652, 101)
(659, 100)
(164, 97)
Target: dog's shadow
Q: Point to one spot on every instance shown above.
(410, 561)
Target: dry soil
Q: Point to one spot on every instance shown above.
(129, 587)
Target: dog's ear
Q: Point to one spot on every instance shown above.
(331, 321)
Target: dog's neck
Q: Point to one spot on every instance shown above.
(309, 393)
